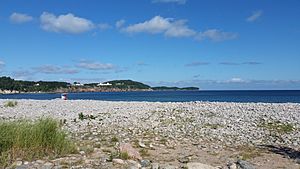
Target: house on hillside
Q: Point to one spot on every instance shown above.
(104, 84)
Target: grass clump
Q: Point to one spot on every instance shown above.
(144, 152)
(114, 139)
(278, 127)
(11, 104)
(249, 153)
(124, 156)
(81, 116)
(32, 140)
(212, 126)
(119, 155)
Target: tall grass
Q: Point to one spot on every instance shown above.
(31, 140)
(11, 104)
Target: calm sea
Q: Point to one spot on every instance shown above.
(267, 96)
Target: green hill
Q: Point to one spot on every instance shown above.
(7, 83)
(128, 84)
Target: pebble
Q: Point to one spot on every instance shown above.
(231, 124)
(199, 166)
(145, 163)
(245, 164)
(118, 161)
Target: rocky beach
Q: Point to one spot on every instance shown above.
(168, 135)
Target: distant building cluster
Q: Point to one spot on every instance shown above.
(99, 84)
(104, 84)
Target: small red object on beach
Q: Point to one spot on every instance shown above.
(64, 96)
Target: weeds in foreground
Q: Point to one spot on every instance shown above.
(32, 140)
(11, 104)
(81, 116)
(114, 139)
(212, 126)
(144, 152)
(277, 126)
(247, 153)
(120, 155)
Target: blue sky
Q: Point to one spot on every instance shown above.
(210, 44)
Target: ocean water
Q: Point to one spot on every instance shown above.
(266, 96)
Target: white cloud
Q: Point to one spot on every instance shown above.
(255, 15)
(120, 23)
(194, 64)
(236, 80)
(170, 1)
(167, 26)
(216, 35)
(65, 23)
(20, 18)
(104, 26)
(51, 69)
(2, 64)
(95, 65)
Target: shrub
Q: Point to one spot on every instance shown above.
(81, 116)
(114, 139)
(11, 104)
(277, 126)
(31, 140)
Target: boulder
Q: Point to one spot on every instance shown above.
(199, 166)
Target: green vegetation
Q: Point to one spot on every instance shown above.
(278, 127)
(247, 153)
(6, 83)
(114, 139)
(11, 104)
(120, 155)
(124, 156)
(212, 126)
(32, 140)
(174, 88)
(81, 116)
(144, 152)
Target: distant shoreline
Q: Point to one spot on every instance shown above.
(93, 91)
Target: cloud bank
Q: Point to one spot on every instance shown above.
(195, 64)
(216, 35)
(255, 16)
(90, 65)
(51, 69)
(159, 25)
(2, 64)
(19, 18)
(170, 27)
(170, 1)
(65, 23)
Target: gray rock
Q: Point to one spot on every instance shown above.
(134, 164)
(118, 161)
(166, 166)
(245, 164)
(155, 166)
(232, 166)
(145, 163)
(23, 167)
(18, 163)
(183, 159)
(199, 166)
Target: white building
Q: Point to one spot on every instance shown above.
(104, 84)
